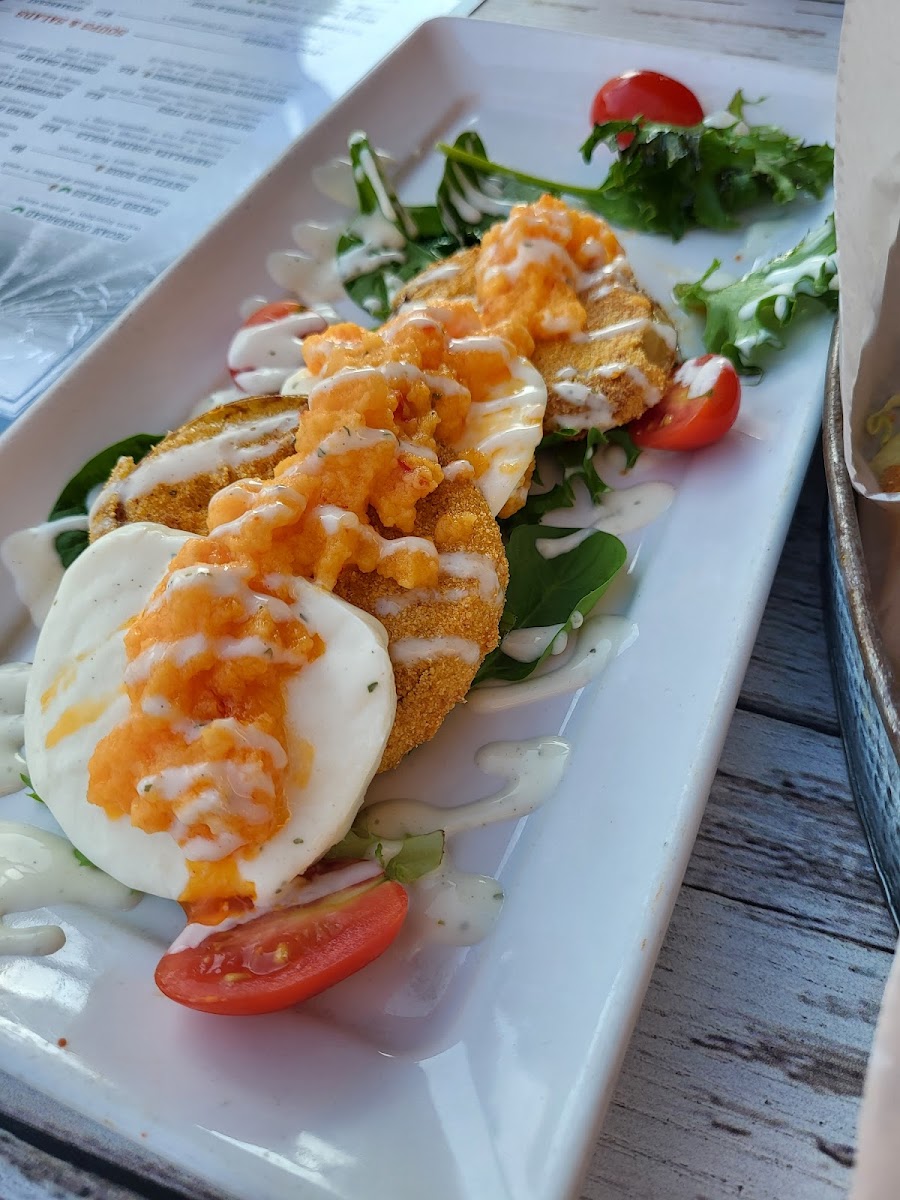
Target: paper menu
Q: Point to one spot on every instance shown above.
(127, 127)
(867, 213)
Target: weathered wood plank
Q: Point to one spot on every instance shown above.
(744, 1073)
(788, 675)
(804, 31)
(27, 1173)
(781, 832)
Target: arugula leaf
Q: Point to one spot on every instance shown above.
(574, 454)
(72, 501)
(404, 859)
(83, 860)
(670, 179)
(29, 788)
(545, 592)
(470, 200)
(751, 313)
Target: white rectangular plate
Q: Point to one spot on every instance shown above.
(484, 1073)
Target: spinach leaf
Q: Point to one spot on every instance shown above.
(671, 179)
(470, 200)
(387, 243)
(751, 313)
(546, 592)
(403, 859)
(73, 499)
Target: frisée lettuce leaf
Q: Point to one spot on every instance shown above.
(753, 313)
(670, 179)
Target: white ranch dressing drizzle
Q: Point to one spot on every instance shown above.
(231, 447)
(527, 645)
(30, 557)
(507, 425)
(783, 281)
(38, 869)
(13, 684)
(262, 357)
(453, 906)
(622, 510)
(409, 650)
(663, 330)
(599, 640)
(597, 414)
(698, 378)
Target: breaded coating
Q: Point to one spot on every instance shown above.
(175, 482)
(464, 607)
(438, 636)
(613, 372)
(890, 479)
(452, 279)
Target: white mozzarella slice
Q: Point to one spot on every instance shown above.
(79, 667)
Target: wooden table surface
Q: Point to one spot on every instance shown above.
(744, 1074)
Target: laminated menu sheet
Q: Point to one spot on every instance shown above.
(126, 128)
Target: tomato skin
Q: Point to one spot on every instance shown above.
(681, 421)
(273, 311)
(645, 94)
(287, 955)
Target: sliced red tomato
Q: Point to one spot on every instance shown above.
(287, 955)
(273, 311)
(700, 406)
(645, 94)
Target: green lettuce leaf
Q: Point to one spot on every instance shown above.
(752, 313)
(671, 179)
(550, 591)
(470, 200)
(404, 859)
(72, 500)
(573, 453)
(400, 242)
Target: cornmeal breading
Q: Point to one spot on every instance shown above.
(452, 279)
(613, 372)
(462, 611)
(175, 489)
(461, 614)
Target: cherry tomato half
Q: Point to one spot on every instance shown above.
(287, 955)
(645, 94)
(273, 311)
(700, 407)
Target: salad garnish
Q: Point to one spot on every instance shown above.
(671, 178)
(72, 501)
(543, 592)
(753, 312)
(403, 859)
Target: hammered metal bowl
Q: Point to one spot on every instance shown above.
(866, 688)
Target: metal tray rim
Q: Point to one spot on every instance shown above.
(850, 557)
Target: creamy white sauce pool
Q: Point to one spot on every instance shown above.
(30, 557)
(39, 869)
(453, 906)
(598, 641)
(13, 684)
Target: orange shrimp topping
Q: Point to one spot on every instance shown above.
(204, 751)
(530, 266)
